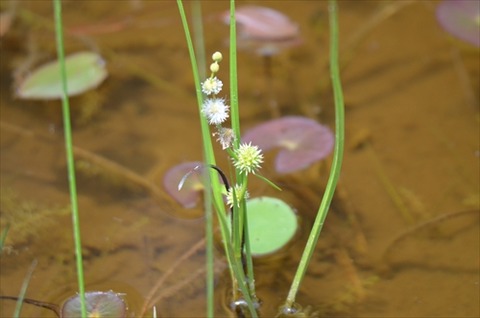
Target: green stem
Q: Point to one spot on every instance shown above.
(206, 139)
(235, 116)
(234, 266)
(248, 258)
(3, 237)
(237, 223)
(337, 159)
(235, 121)
(23, 290)
(209, 254)
(69, 154)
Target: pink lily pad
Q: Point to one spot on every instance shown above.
(99, 304)
(265, 28)
(302, 141)
(189, 194)
(461, 18)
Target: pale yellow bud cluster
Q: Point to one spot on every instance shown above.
(214, 108)
(215, 67)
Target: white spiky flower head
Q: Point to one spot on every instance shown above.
(215, 110)
(212, 85)
(240, 193)
(248, 158)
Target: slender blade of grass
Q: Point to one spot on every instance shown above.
(208, 204)
(336, 163)
(3, 237)
(69, 154)
(23, 290)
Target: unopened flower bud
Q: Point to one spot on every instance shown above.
(217, 56)
(214, 67)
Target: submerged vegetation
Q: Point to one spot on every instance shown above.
(28, 221)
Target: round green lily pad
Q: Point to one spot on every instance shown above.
(99, 304)
(271, 224)
(85, 71)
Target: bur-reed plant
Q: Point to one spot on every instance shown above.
(213, 111)
(246, 160)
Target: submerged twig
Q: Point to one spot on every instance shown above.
(345, 261)
(411, 230)
(174, 289)
(148, 300)
(53, 307)
(389, 187)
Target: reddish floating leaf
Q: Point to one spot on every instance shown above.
(267, 29)
(302, 141)
(461, 18)
(188, 195)
(99, 304)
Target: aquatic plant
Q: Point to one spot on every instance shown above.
(267, 32)
(271, 223)
(62, 69)
(98, 304)
(3, 236)
(247, 159)
(461, 18)
(84, 71)
(264, 29)
(29, 220)
(189, 193)
(302, 141)
(288, 306)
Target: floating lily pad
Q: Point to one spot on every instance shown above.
(189, 194)
(302, 141)
(461, 18)
(271, 224)
(268, 29)
(99, 304)
(85, 71)
(263, 23)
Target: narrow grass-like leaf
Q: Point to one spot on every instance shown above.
(69, 154)
(23, 290)
(3, 237)
(336, 162)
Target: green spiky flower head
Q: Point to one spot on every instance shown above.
(248, 158)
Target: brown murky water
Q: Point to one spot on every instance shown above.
(402, 239)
